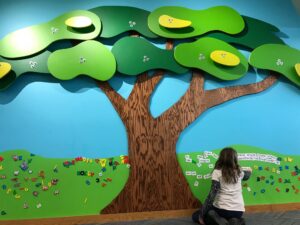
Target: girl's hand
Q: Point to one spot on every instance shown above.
(201, 221)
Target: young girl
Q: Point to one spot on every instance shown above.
(224, 203)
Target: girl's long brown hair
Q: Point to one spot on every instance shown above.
(228, 164)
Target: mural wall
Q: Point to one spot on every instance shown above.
(124, 106)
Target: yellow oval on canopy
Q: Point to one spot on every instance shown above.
(225, 58)
(5, 68)
(171, 22)
(297, 67)
(79, 22)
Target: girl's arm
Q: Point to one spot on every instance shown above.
(215, 187)
(247, 172)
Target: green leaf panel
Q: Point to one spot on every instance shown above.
(33, 39)
(197, 55)
(279, 58)
(119, 19)
(255, 34)
(90, 58)
(136, 55)
(221, 18)
(36, 64)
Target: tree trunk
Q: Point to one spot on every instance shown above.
(156, 181)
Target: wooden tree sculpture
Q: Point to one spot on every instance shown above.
(156, 181)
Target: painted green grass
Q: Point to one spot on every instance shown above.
(269, 183)
(83, 195)
(78, 195)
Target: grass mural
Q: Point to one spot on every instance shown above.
(34, 187)
(275, 178)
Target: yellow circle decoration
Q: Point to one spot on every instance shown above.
(79, 22)
(5, 68)
(225, 58)
(171, 22)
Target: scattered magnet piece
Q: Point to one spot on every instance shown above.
(25, 205)
(196, 183)
(287, 181)
(16, 173)
(17, 196)
(45, 188)
(289, 159)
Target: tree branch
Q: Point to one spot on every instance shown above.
(221, 95)
(190, 106)
(145, 84)
(117, 100)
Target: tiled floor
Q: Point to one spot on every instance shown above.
(278, 218)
